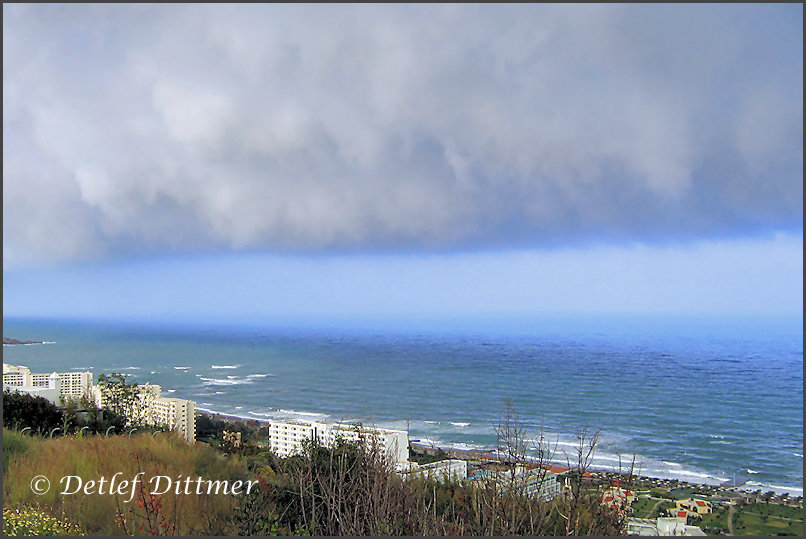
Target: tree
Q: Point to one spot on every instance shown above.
(208, 426)
(512, 441)
(508, 505)
(123, 398)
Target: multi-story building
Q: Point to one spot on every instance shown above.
(394, 442)
(50, 391)
(545, 485)
(72, 385)
(76, 384)
(176, 414)
(286, 437)
(15, 375)
(147, 393)
(442, 469)
(153, 409)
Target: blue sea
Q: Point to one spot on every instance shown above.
(702, 400)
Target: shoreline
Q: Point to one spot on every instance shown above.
(476, 454)
(662, 482)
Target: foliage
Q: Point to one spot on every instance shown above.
(84, 412)
(680, 493)
(208, 427)
(349, 489)
(663, 509)
(222, 432)
(28, 520)
(22, 410)
(123, 398)
(423, 457)
(231, 441)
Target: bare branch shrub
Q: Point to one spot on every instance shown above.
(352, 488)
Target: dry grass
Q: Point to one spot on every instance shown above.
(350, 489)
(93, 457)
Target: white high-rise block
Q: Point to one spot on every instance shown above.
(286, 437)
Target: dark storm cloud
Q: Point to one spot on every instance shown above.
(142, 129)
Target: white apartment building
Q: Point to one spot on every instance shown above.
(442, 469)
(176, 414)
(14, 374)
(76, 384)
(148, 392)
(154, 409)
(52, 391)
(286, 437)
(394, 442)
(72, 385)
(545, 485)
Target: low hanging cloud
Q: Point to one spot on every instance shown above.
(145, 129)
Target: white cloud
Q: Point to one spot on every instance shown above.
(192, 116)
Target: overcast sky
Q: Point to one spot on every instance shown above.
(518, 148)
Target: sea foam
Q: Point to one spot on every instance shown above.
(223, 381)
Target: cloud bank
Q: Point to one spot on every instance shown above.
(142, 129)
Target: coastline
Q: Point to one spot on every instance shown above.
(596, 471)
(706, 452)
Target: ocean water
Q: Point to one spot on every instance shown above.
(700, 400)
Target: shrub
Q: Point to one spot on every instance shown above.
(22, 410)
(84, 412)
(28, 520)
(352, 489)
